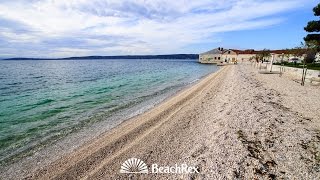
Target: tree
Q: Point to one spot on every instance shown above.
(257, 57)
(265, 53)
(314, 28)
(299, 51)
(287, 54)
(310, 51)
(307, 51)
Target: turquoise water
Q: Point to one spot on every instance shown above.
(42, 101)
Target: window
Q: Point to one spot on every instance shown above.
(218, 58)
(215, 58)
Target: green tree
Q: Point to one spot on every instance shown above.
(314, 28)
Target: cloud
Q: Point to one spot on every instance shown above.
(108, 27)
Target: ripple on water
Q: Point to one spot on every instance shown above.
(44, 101)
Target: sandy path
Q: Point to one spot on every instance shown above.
(232, 124)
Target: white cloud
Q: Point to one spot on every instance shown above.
(14, 37)
(132, 27)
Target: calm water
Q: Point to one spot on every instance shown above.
(42, 101)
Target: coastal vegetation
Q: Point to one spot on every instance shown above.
(265, 54)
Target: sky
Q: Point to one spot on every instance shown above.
(60, 28)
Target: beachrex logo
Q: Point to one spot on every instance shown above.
(134, 165)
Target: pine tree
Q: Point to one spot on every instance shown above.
(314, 28)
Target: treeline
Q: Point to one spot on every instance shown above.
(303, 51)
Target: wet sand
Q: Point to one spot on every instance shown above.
(234, 123)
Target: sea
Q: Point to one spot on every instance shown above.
(43, 102)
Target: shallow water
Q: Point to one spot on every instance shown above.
(42, 101)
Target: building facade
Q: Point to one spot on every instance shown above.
(212, 56)
(221, 55)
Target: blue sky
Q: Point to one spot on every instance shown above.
(59, 28)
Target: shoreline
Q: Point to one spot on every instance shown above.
(234, 123)
(45, 157)
(132, 127)
(56, 115)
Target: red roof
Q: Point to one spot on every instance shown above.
(252, 51)
(248, 51)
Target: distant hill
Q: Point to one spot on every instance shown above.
(169, 56)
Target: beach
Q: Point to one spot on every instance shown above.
(234, 123)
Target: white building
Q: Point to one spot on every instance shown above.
(221, 55)
(212, 56)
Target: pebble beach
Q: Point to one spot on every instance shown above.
(232, 124)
